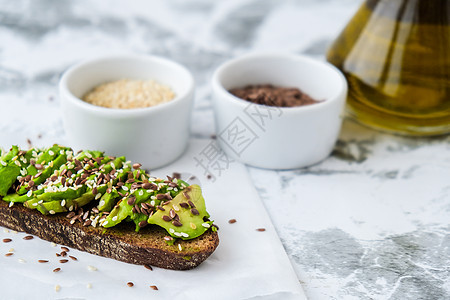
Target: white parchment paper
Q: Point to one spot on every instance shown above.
(247, 264)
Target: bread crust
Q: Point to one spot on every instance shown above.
(120, 242)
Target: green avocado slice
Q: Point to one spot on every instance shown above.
(119, 213)
(8, 156)
(8, 176)
(183, 216)
(16, 198)
(47, 172)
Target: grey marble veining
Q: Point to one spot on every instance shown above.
(370, 222)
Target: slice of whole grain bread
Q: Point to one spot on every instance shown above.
(120, 242)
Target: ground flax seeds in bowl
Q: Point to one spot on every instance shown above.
(129, 94)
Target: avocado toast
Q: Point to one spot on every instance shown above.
(106, 206)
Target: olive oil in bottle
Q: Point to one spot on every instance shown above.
(395, 55)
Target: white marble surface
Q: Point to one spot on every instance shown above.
(370, 222)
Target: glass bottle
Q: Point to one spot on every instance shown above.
(395, 55)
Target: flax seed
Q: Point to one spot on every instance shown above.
(143, 223)
(42, 261)
(130, 284)
(232, 221)
(261, 229)
(131, 200)
(148, 267)
(56, 270)
(28, 237)
(65, 249)
(177, 223)
(9, 254)
(73, 258)
(173, 184)
(63, 261)
(7, 240)
(154, 287)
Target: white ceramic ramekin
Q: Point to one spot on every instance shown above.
(153, 136)
(274, 137)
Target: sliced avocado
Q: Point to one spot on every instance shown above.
(67, 194)
(8, 156)
(47, 172)
(16, 198)
(53, 181)
(119, 213)
(183, 216)
(8, 176)
(52, 207)
(107, 201)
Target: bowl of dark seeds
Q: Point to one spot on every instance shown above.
(278, 111)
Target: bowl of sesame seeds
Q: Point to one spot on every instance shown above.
(133, 105)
